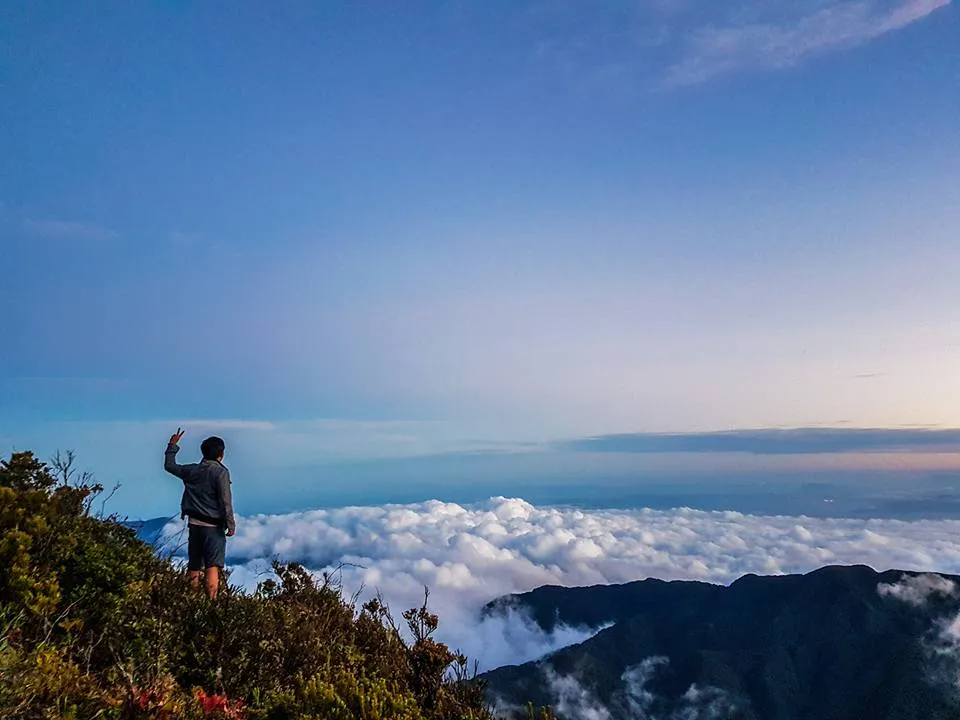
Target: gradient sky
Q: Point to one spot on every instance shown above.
(363, 230)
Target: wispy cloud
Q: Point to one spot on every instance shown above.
(318, 426)
(784, 41)
(917, 590)
(227, 424)
(268, 442)
(635, 699)
(60, 383)
(66, 230)
(671, 44)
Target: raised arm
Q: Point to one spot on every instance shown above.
(226, 499)
(170, 456)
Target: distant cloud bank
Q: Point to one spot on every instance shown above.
(799, 441)
(468, 555)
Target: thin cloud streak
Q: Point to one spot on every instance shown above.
(66, 230)
(713, 51)
(225, 424)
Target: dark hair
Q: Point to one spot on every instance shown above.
(212, 448)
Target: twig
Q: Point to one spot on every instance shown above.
(103, 504)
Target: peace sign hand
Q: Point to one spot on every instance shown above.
(175, 438)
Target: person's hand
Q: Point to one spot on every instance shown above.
(175, 438)
(231, 533)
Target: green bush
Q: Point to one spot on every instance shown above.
(95, 625)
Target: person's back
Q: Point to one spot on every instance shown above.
(207, 503)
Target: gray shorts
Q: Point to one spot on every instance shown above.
(206, 547)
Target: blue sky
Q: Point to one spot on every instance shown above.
(349, 232)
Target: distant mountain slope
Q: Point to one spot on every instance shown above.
(839, 643)
(148, 530)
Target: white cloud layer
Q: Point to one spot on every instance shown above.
(468, 555)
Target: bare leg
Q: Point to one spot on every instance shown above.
(212, 580)
(194, 577)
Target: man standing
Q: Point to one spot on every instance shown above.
(208, 505)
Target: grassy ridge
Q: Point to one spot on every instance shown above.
(94, 625)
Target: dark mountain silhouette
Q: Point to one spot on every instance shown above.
(598, 605)
(839, 643)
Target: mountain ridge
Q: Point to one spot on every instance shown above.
(839, 642)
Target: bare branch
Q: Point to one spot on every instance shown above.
(63, 465)
(103, 504)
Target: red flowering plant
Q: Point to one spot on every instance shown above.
(219, 706)
(160, 699)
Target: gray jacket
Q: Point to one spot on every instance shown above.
(206, 489)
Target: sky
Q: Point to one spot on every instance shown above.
(397, 252)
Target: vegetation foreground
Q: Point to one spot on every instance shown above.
(93, 624)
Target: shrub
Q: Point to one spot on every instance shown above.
(95, 624)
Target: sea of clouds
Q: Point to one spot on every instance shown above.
(468, 555)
